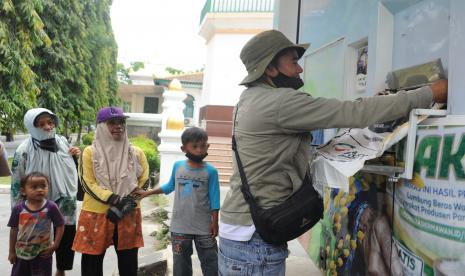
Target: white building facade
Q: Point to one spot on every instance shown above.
(226, 26)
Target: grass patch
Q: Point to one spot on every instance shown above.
(6, 180)
(162, 237)
(160, 216)
(159, 200)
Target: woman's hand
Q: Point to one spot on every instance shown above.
(74, 151)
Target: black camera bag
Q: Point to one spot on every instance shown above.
(288, 220)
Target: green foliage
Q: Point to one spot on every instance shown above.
(137, 65)
(159, 200)
(174, 71)
(21, 34)
(123, 72)
(56, 54)
(151, 151)
(88, 138)
(162, 236)
(159, 216)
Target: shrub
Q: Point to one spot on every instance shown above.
(88, 138)
(149, 147)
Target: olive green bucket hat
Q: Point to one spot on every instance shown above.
(260, 50)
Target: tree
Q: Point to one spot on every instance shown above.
(21, 32)
(56, 54)
(123, 72)
(78, 74)
(174, 71)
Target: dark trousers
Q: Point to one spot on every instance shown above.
(207, 251)
(92, 265)
(36, 267)
(64, 254)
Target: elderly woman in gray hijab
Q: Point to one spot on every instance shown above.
(50, 154)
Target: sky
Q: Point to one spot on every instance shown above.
(160, 33)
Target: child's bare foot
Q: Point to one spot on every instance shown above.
(60, 273)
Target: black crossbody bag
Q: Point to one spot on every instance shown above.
(288, 220)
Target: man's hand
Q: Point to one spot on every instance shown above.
(439, 89)
(139, 193)
(12, 257)
(214, 229)
(74, 151)
(214, 224)
(47, 252)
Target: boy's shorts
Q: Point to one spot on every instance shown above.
(35, 267)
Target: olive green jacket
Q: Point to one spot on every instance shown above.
(272, 130)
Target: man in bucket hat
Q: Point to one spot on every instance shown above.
(272, 127)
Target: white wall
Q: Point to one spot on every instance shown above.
(224, 69)
(456, 98)
(285, 17)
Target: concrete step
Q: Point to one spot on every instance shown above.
(224, 174)
(220, 146)
(224, 169)
(219, 140)
(220, 156)
(220, 163)
(216, 157)
(224, 177)
(219, 151)
(224, 183)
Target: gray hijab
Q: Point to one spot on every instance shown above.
(59, 166)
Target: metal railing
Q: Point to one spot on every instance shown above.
(236, 6)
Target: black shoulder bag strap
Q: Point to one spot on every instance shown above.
(245, 188)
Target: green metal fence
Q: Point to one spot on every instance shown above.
(232, 6)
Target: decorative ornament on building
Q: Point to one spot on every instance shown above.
(175, 86)
(173, 106)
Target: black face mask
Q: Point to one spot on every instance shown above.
(48, 144)
(196, 158)
(284, 81)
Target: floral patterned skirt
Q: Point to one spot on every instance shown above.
(94, 233)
